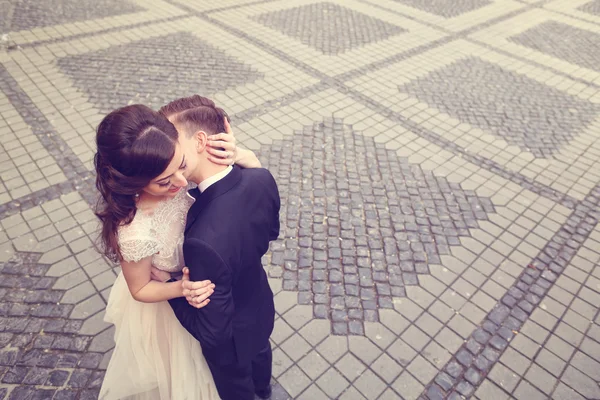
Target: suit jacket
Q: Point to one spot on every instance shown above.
(227, 232)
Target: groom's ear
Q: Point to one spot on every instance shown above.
(201, 141)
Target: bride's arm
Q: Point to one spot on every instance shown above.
(145, 290)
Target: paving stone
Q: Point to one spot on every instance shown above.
(526, 391)
(504, 377)
(407, 386)
(332, 383)
(386, 368)
(350, 366)
(422, 370)
(94, 325)
(333, 348)
(103, 342)
(295, 347)
(563, 392)
(401, 352)
(88, 307)
(581, 382)
(313, 392)
(490, 391)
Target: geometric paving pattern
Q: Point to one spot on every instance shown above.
(444, 8)
(423, 254)
(30, 14)
(194, 67)
(377, 222)
(567, 42)
(524, 112)
(329, 28)
(593, 7)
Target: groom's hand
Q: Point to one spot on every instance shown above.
(196, 293)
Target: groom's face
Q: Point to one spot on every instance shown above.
(189, 145)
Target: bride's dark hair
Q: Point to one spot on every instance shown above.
(134, 145)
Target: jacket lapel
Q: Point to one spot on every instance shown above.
(215, 190)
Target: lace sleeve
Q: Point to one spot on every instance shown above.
(138, 239)
(137, 249)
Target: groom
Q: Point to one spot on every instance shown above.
(228, 230)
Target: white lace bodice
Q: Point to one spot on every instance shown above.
(159, 234)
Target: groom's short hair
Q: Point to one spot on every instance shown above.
(195, 113)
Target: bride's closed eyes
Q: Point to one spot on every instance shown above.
(183, 166)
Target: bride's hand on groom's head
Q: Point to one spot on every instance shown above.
(196, 293)
(222, 148)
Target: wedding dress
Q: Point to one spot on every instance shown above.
(154, 358)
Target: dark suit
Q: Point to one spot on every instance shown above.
(228, 231)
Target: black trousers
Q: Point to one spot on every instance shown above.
(241, 382)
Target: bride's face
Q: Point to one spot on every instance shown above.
(173, 179)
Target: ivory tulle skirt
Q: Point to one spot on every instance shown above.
(154, 358)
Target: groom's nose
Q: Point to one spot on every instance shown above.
(179, 180)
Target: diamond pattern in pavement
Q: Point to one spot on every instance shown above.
(524, 112)
(362, 223)
(30, 14)
(328, 27)
(165, 68)
(421, 257)
(572, 44)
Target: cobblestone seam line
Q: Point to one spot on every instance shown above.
(463, 35)
(77, 175)
(476, 357)
(96, 33)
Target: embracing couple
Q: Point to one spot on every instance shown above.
(211, 339)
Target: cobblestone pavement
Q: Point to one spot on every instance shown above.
(439, 164)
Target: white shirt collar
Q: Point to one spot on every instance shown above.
(214, 179)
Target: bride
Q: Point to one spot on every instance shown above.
(141, 175)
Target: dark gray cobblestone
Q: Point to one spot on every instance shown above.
(329, 28)
(30, 14)
(39, 345)
(359, 222)
(592, 7)
(194, 67)
(529, 114)
(581, 48)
